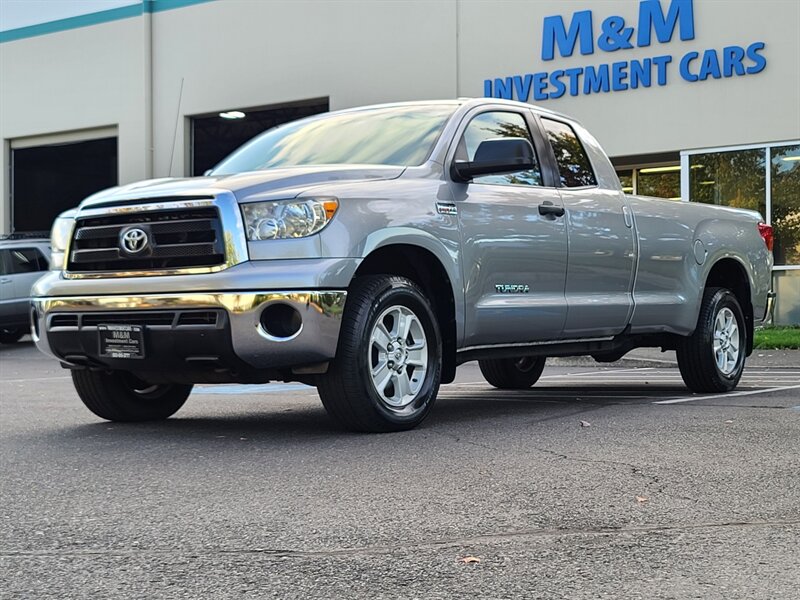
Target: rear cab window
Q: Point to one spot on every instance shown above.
(574, 167)
(493, 125)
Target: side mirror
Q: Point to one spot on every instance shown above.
(495, 157)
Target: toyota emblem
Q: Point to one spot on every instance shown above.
(134, 240)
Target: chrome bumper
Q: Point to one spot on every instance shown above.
(315, 341)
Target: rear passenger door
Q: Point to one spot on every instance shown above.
(514, 258)
(601, 240)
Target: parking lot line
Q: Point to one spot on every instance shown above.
(728, 395)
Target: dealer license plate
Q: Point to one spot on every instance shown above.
(121, 341)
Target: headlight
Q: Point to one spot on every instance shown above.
(287, 218)
(59, 240)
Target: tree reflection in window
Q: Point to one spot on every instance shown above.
(785, 179)
(493, 125)
(573, 163)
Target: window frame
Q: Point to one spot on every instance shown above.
(539, 148)
(766, 148)
(552, 154)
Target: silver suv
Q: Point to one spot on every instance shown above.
(22, 261)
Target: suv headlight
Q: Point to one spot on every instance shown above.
(60, 235)
(283, 219)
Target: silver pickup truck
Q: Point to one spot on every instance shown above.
(369, 252)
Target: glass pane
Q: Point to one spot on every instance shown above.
(495, 125)
(27, 260)
(785, 165)
(573, 163)
(402, 136)
(661, 182)
(626, 180)
(736, 178)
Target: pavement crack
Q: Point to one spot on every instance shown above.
(393, 548)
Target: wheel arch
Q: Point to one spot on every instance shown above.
(426, 269)
(730, 272)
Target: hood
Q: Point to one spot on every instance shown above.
(291, 180)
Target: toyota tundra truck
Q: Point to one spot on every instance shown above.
(369, 252)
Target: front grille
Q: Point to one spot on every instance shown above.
(176, 239)
(150, 318)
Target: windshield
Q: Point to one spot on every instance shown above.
(399, 136)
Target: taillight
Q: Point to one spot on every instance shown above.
(766, 235)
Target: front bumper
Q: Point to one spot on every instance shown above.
(229, 336)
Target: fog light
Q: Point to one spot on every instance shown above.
(281, 321)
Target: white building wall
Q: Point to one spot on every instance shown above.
(75, 80)
(504, 38)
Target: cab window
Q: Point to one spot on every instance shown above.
(574, 167)
(493, 125)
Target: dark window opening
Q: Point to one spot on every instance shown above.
(574, 166)
(215, 137)
(47, 180)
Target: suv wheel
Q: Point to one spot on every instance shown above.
(712, 358)
(512, 373)
(388, 363)
(121, 396)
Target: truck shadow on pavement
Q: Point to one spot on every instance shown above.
(308, 422)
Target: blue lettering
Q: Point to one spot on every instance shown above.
(555, 81)
(615, 35)
(651, 18)
(523, 86)
(619, 73)
(574, 84)
(595, 79)
(685, 72)
(555, 33)
(661, 63)
(503, 88)
(539, 87)
(487, 88)
(732, 57)
(759, 62)
(641, 73)
(709, 65)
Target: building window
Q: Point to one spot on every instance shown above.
(764, 178)
(736, 178)
(785, 203)
(663, 181)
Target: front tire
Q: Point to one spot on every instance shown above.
(512, 373)
(712, 358)
(121, 396)
(388, 363)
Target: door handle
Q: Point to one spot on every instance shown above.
(548, 208)
(5, 280)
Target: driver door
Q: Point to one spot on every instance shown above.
(514, 258)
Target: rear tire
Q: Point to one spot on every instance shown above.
(121, 396)
(11, 335)
(712, 358)
(512, 373)
(388, 363)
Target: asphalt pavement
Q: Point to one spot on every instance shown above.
(602, 481)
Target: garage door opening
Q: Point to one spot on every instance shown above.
(47, 180)
(215, 136)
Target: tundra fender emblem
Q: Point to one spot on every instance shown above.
(446, 208)
(512, 288)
